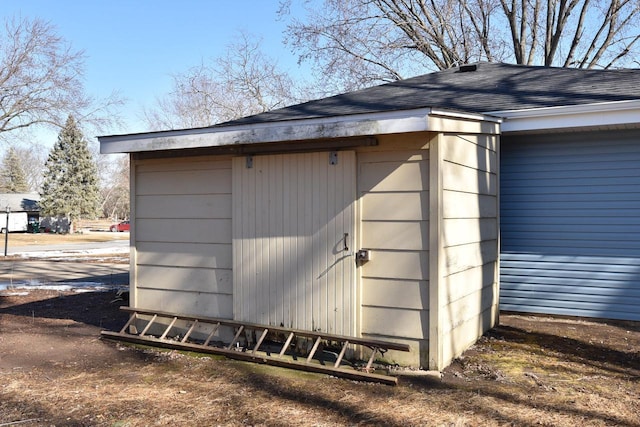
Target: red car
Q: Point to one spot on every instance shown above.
(122, 226)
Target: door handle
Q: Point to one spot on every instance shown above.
(346, 243)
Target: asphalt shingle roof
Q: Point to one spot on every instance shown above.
(485, 87)
(19, 202)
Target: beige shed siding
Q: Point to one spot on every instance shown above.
(393, 195)
(469, 232)
(182, 232)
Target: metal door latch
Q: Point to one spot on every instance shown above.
(363, 255)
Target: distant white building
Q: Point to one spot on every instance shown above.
(24, 210)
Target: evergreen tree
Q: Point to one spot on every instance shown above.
(12, 176)
(70, 187)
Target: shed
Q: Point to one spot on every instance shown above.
(279, 205)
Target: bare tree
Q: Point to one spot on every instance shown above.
(114, 188)
(35, 156)
(372, 41)
(41, 80)
(242, 82)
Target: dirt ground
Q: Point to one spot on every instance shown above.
(55, 370)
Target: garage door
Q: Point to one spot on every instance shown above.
(293, 235)
(570, 225)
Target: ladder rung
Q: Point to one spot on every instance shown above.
(262, 337)
(173, 322)
(235, 338)
(146, 328)
(213, 332)
(373, 355)
(313, 350)
(286, 345)
(133, 317)
(341, 355)
(193, 326)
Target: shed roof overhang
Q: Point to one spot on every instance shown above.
(596, 116)
(316, 129)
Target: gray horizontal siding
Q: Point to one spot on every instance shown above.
(570, 225)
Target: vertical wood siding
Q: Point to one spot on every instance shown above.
(291, 213)
(183, 236)
(469, 231)
(570, 213)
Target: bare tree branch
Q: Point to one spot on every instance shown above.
(372, 41)
(242, 82)
(41, 79)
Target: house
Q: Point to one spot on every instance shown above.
(377, 213)
(23, 209)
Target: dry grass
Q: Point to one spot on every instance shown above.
(529, 371)
(26, 239)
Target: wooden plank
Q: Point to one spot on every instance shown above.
(184, 182)
(388, 264)
(385, 206)
(460, 178)
(394, 176)
(185, 231)
(395, 322)
(198, 255)
(465, 231)
(394, 293)
(405, 235)
(174, 206)
(184, 279)
(466, 153)
(205, 304)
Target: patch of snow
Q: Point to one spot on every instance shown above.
(78, 287)
(75, 253)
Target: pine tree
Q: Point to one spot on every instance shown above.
(70, 187)
(12, 176)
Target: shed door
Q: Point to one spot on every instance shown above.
(293, 236)
(570, 221)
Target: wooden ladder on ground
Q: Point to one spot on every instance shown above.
(159, 329)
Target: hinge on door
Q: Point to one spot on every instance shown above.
(249, 162)
(333, 158)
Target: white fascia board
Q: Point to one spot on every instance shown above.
(294, 130)
(570, 116)
(371, 124)
(466, 116)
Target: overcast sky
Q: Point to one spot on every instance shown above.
(134, 46)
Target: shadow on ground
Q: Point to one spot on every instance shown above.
(101, 309)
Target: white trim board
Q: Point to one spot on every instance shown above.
(291, 130)
(603, 114)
